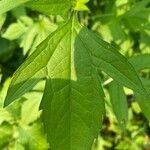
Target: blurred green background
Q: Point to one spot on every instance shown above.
(124, 23)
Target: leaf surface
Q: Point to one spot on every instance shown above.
(107, 58)
(32, 137)
(59, 58)
(72, 103)
(119, 104)
(75, 109)
(143, 62)
(140, 62)
(138, 16)
(144, 103)
(51, 7)
(6, 5)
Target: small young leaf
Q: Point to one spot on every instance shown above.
(143, 102)
(80, 5)
(14, 31)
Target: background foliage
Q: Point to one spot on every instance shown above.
(125, 24)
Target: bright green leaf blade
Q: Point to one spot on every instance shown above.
(73, 114)
(6, 5)
(73, 102)
(50, 7)
(14, 31)
(81, 7)
(77, 105)
(107, 58)
(34, 69)
(119, 103)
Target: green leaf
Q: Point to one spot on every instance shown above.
(80, 5)
(5, 116)
(2, 20)
(138, 16)
(115, 25)
(26, 78)
(140, 62)
(86, 102)
(72, 103)
(6, 49)
(51, 7)
(6, 133)
(14, 31)
(6, 5)
(30, 107)
(119, 103)
(32, 138)
(143, 62)
(36, 33)
(15, 108)
(145, 42)
(19, 12)
(107, 58)
(83, 1)
(143, 102)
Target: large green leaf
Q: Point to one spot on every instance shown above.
(77, 108)
(6, 5)
(51, 7)
(73, 102)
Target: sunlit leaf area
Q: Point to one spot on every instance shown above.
(74, 74)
